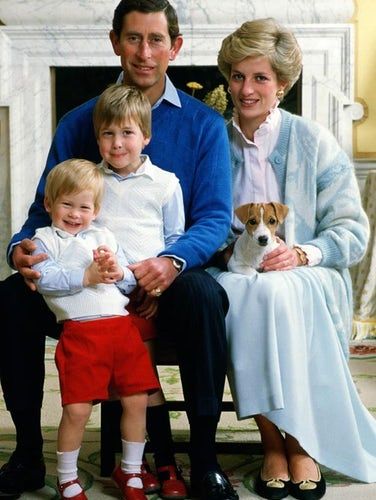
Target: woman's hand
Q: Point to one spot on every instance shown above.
(282, 258)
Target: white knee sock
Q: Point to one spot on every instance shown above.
(67, 471)
(131, 461)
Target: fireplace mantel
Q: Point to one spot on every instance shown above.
(56, 36)
(190, 12)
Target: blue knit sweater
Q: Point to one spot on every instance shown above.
(190, 141)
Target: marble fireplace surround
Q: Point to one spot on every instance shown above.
(38, 35)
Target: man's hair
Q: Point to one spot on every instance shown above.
(146, 6)
(263, 37)
(73, 176)
(119, 103)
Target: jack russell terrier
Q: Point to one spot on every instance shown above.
(259, 237)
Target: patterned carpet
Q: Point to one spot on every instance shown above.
(241, 468)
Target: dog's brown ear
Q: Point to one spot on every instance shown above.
(280, 210)
(242, 212)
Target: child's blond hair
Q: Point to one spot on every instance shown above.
(119, 103)
(73, 176)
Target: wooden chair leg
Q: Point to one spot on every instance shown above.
(110, 435)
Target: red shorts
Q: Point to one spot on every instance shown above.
(91, 356)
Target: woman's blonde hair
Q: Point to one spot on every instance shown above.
(263, 37)
(119, 103)
(73, 176)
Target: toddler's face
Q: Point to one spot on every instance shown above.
(72, 212)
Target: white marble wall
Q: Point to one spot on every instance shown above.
(39, 35)
(5, 231)
(191, 12)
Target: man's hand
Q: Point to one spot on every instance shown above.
(157, 272)
(148, 307)
(23, 260)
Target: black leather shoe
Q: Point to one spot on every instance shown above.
(273, 489)
(215, 485)
(15, 478)
(309, 489)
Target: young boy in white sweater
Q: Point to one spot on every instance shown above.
(143, 207)
(84, 282)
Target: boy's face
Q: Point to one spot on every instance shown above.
(121, 145)
(145, 50)
(72, 212)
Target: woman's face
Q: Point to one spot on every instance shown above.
(253, 85)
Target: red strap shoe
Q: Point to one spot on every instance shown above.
(64, 486)
(128, 492)
(149, 480)
(173, 485)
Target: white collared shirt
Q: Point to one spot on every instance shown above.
(170, 93)
(256, 182)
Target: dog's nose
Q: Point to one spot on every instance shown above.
(263, 240)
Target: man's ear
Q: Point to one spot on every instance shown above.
(175, 47)
(115, 42)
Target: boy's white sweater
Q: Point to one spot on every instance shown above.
(75, 253)
(140, 197)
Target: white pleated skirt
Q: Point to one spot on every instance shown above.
(287, 361)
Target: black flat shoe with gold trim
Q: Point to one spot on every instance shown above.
(273, 489)
(309, 489)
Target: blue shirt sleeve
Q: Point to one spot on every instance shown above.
(128, 283)
(173, 217)
(58, 281)
(54, 279)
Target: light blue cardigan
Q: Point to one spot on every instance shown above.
(320, 188)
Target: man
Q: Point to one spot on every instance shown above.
(190, 140)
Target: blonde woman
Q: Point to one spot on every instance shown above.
(288, 327)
